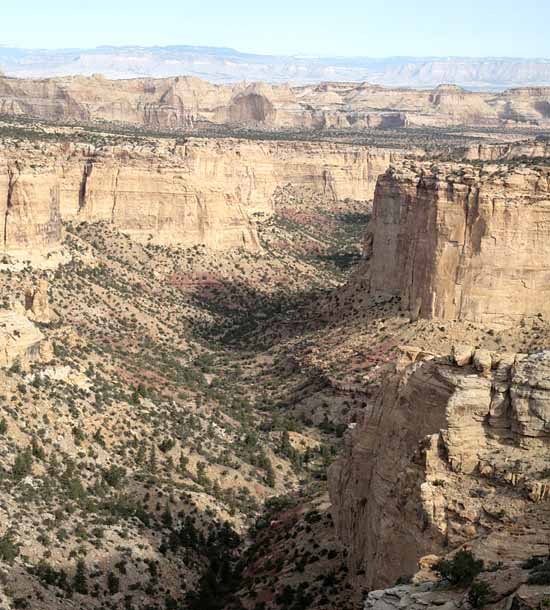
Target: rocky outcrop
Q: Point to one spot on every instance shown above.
(463, 242)
(413, 597)
(184, 102)
(511, 559)
(446, 455)
(21, 341)
(37, 303)
(202, 192)
(535, 149)
(508, 587)
(29, 206)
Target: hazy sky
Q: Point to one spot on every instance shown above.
(358, 27)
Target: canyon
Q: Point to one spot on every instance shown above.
(273, 369)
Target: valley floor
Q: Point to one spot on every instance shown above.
(138, 458)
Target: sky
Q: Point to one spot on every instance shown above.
(374, 28)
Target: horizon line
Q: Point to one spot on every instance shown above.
(11, 46)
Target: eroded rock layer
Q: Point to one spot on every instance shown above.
(183, 102)
(446, 454)
(461, 242)
(201, 192)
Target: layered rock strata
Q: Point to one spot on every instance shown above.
(201, 192)
(535, 149)
(462, 242)
(185, 102)
(446, 455)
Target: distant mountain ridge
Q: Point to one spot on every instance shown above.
(226, 65)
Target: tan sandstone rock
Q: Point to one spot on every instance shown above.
(37, 303)
(429, 469)
(462, 354)
(21, 341)
(483, 361)
(459, 242)
(205, 191)
(185, 102)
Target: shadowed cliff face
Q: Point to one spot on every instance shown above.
(251, 108)
(462, 243)
(204, 192)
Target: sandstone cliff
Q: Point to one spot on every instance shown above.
(445, 455)
(184, 102)
(460, 242)
(201, 192)
(29, 207)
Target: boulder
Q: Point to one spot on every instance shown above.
(462, 354)
(483, 362)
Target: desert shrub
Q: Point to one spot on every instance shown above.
(479, 594)
(9, 549)
(49, 576)
(540, 574)
(461, 569)
(22, 465)
(532, 562)
(312, 516)
(113, 583)
(114, 475)
(80, 583)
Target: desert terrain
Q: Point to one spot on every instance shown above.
(273, 347)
